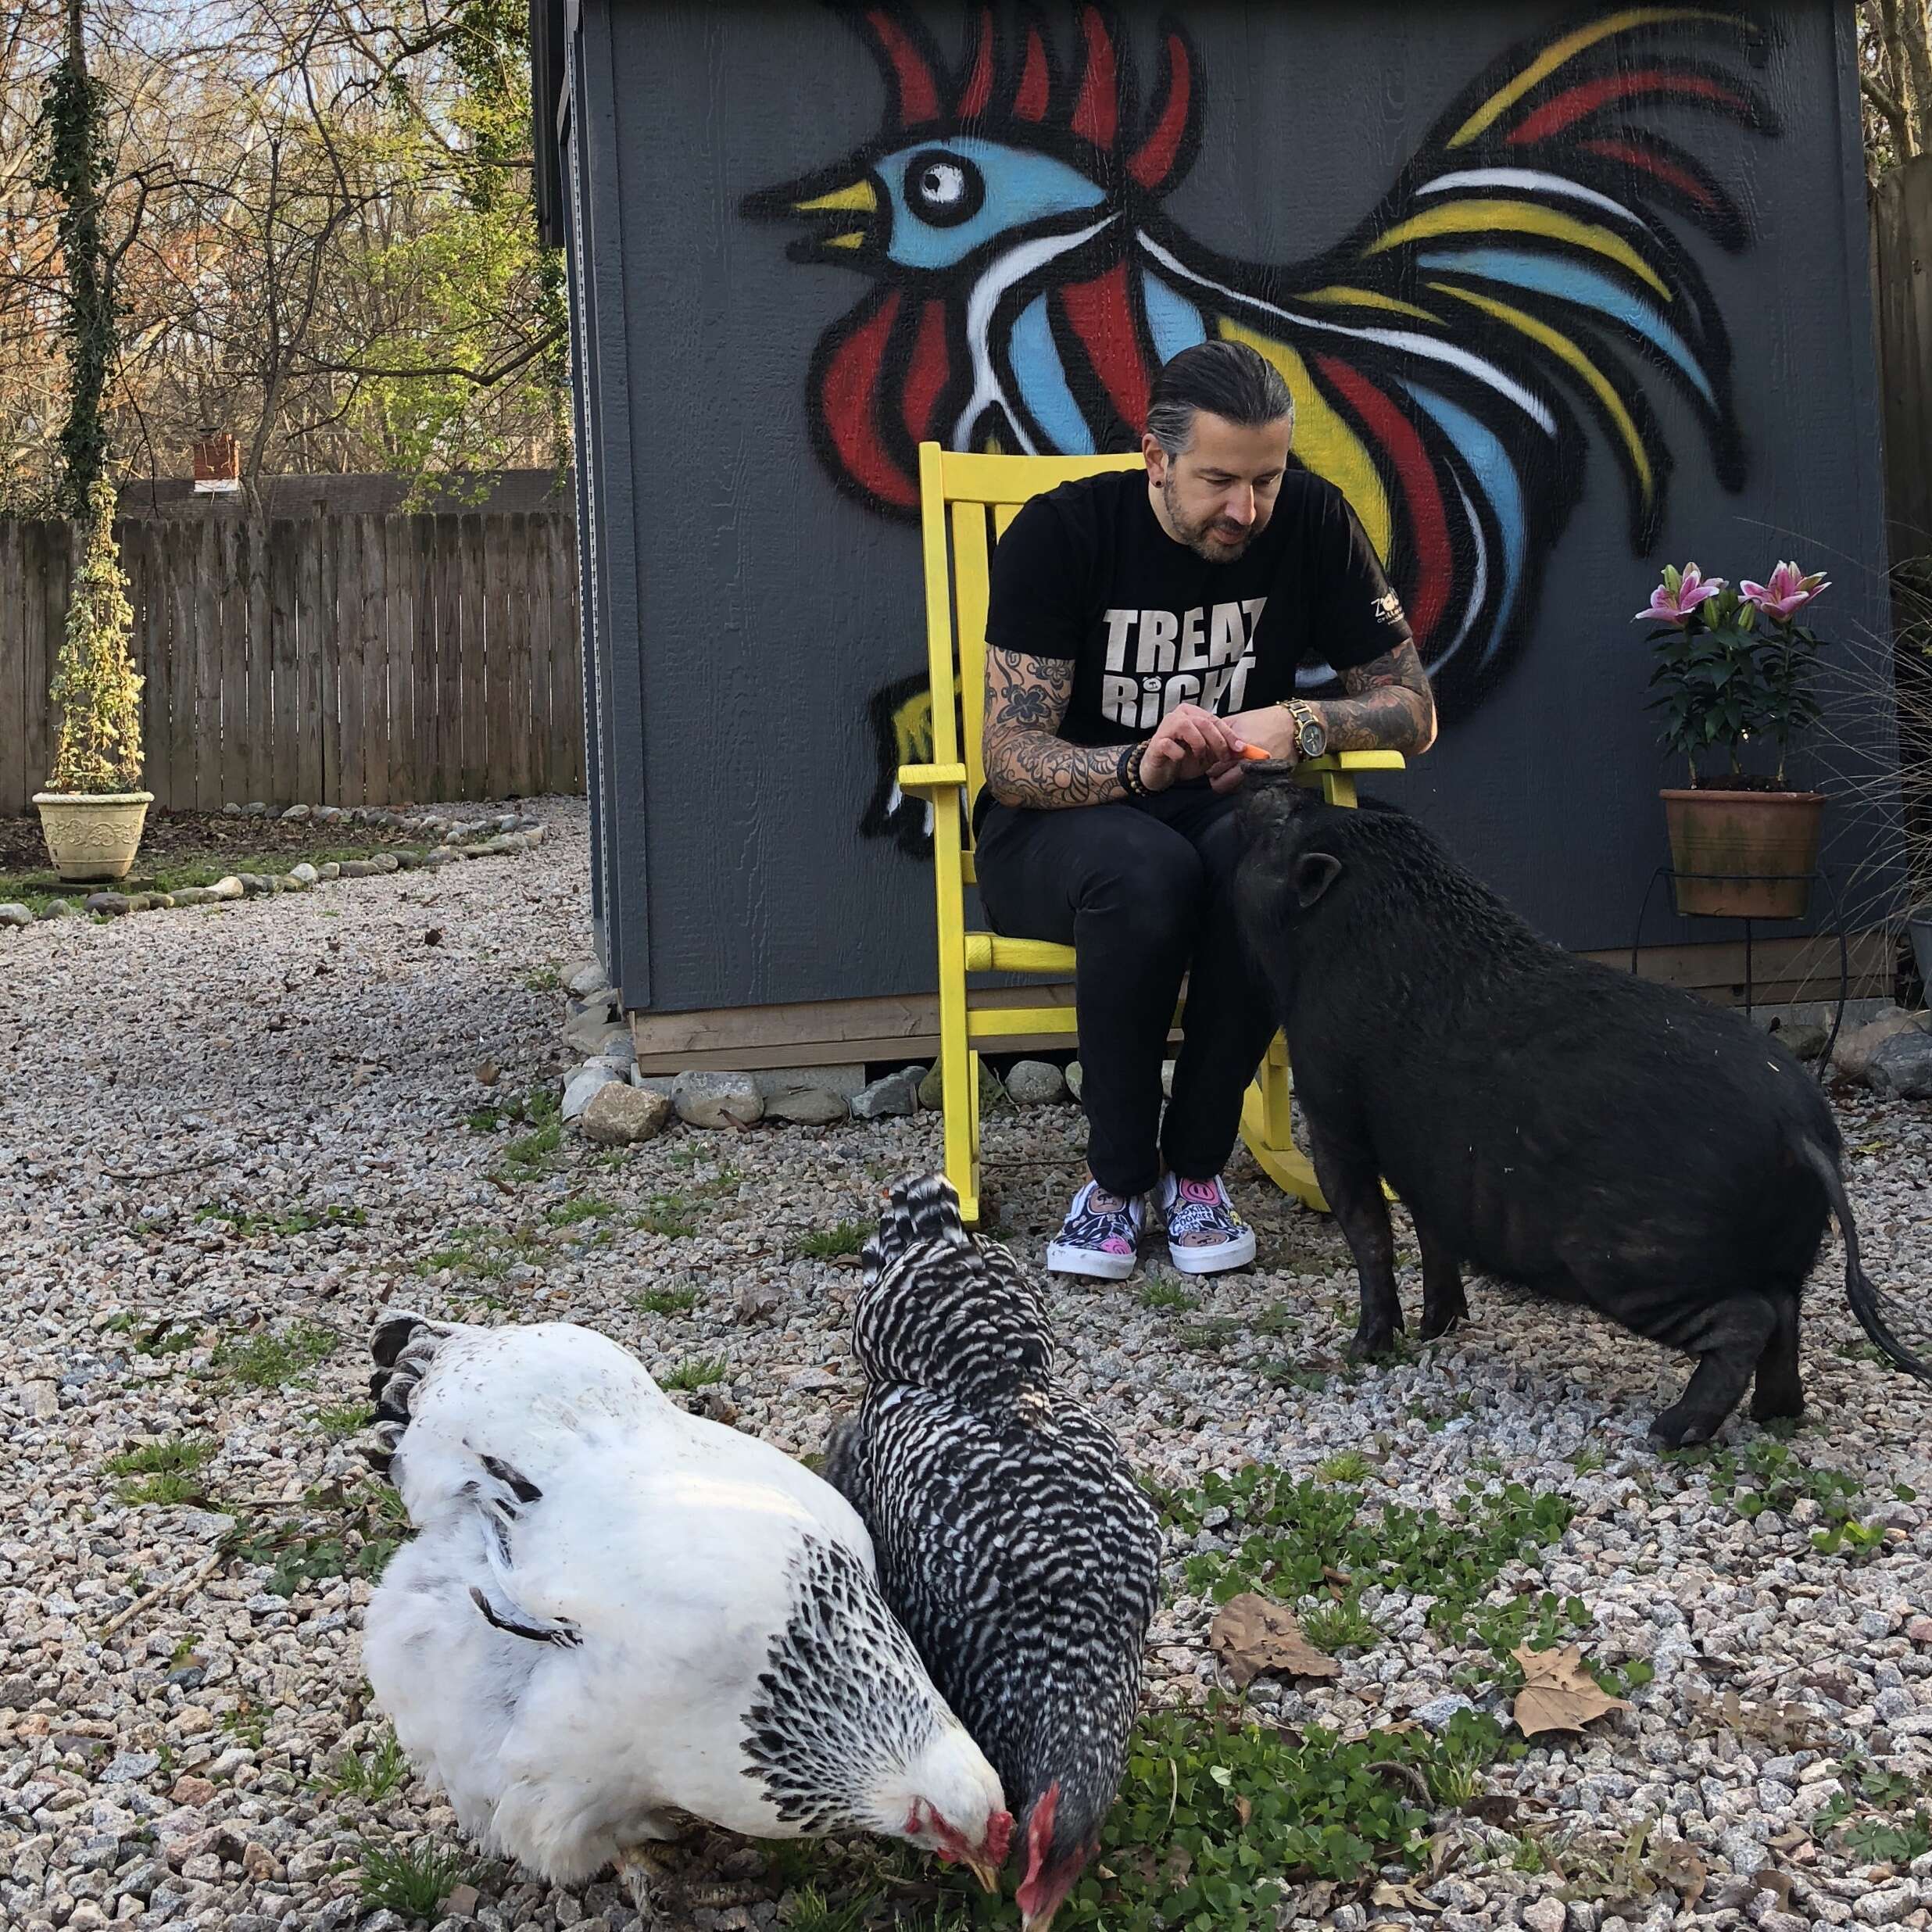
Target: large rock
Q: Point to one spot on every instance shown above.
(305, 872)
(896, 1093)
(992, 1096)
(1852, 1056)
(1076, 1078)
(590, 1030)
(844, 1081)
(583, 978)
(583, 1085)
(1035, 1083)
(13, 914)
(228, 888)
(1802, 1040)
(716, 1099)
(620, 1114)
(806, 1106)
(1902, 1065)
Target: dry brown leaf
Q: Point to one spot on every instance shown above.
(1313, 1899)
(1254, 1633)
(1778, 1884)
(1243, 1810)
(1677, 1864)
(1558, 1693)
(1402, 1898)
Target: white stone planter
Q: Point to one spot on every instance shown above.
(93, 836)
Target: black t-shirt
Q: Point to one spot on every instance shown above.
(1085, 572)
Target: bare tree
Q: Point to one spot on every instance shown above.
(1895, 81)
(319, 219)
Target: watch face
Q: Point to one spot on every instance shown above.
(1313, 739)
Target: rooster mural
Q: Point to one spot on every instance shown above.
(1518, 275)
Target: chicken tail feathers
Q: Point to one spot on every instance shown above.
(922, 1208)
(403, 1347)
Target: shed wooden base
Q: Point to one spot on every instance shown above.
(831, 1033)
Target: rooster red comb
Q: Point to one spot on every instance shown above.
(1093, 107)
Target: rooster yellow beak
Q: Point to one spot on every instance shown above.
(858, 197)
(987, 1872)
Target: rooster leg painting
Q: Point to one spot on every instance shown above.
(615, 1617)
(1519, 281)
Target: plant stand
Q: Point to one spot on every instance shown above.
(1820, 877)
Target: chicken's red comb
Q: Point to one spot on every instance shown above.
(998, 1836)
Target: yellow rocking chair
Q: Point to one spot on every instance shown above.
(960, 496)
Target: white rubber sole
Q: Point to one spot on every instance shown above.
(1213, 1259)
(1063, 1259)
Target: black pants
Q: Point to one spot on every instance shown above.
(1140, 888)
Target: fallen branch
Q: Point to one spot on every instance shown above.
(182, 1586)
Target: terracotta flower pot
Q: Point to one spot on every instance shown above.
(1744, 855)
(93, 835)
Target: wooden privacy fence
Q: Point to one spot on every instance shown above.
(336, 661)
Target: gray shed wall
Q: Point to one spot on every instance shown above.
(748, 611)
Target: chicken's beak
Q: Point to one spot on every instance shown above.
(987, 1872)
(1038, 1921)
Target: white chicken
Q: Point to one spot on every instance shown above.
(615, 1617)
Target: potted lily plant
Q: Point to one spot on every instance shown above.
(93, 810)
(1735, 673)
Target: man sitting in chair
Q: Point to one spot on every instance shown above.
(1141, 631)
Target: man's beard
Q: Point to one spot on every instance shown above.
(1220, 549)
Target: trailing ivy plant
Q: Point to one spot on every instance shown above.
(75, 165)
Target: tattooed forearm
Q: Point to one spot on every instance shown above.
(1026, 764)
(1389, 706)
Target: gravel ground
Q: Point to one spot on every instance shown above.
(229, 1136)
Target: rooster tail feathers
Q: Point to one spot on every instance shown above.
(920, 1208)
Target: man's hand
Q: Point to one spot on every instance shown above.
(1192, 743)
(1270, 729)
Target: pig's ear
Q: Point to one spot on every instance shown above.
(1315, 873)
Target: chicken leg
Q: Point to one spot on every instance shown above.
(644, 1876)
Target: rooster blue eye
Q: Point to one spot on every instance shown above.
(943, 188)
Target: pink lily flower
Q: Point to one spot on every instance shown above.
(1679, 594)
(1789, 591)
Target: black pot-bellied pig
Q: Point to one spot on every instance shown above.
(1548, 1120)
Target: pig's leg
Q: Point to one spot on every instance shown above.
(1780, 1392)
(1443, 1303)
(1729, 1340)
(1346, 1167)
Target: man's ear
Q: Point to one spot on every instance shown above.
(1156, 459)
(1315, 873)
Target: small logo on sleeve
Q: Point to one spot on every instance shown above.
(1388, 609)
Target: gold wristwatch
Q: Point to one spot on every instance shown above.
(1311, 733)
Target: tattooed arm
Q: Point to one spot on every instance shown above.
(1388, 707)
(1028, 763)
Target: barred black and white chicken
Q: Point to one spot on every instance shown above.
(1014, 1543)
(615, 1616)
